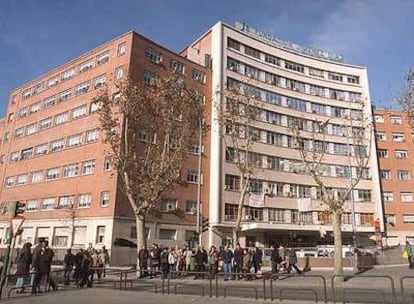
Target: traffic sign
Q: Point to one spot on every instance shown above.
(15, 224)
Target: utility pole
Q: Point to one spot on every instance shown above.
(200, 156)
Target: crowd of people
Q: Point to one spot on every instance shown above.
(240, 263)
(34, 266)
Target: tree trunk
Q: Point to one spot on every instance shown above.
(72, 233)
(236, 228)
(336, 226)
(141, 235)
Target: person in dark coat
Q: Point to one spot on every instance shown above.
(23, 266)
(78, 267)
(293, 259)
(275, 259)
(68, 262)
(227, 263)
(45, 265)
(238, 262)
(257, 259)
(155, 255)
(85, 270)
(164, 262)
(201, 258)
(37, 253)
(143, 256)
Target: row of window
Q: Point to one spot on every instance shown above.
(169, 204)
(394, 119)
(70, 73)
(175, 65)
(232, 183)
(396, 136)
(291, 216)
(75, 113)
(293, 66)
(288, 141)
(294, 166)
(399, 154)
(63, 96)
(388, 196)
(71, 141)
(66, 171)
(291, 84)
(293, 103)
(401, 174)
(406, 218)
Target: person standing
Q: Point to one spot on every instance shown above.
(143, 256)
(78, 267)
(155, 255)
(37, 253)
(68, 262)
(227, 263)
(410, 252)
(164, 262)
(246, 264)
(275, 259)
(213, 261)
(200, 260)
(238, 262)
(46, 265)
(105, 259)
(257, 259)
(23, 266)
(172, 262)
(188, 254)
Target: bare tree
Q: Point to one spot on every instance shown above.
(312, 149)
(406, 98)
(149, 130)
(241, 110)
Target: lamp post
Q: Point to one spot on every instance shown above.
(200, 155)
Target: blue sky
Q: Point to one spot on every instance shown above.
(36, 36)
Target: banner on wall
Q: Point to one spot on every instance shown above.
(256, 200)
(304, 204)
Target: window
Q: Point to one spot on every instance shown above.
(168, 234)
(65, 95)
(378, 118)
(60, 237)
(191, 207)
(30, 129)
(45, 123)
(48, 204)
(52, 174)
(230, 212)
(66, 201)
(82, 88)
(177, 66)
(367, 219)
(198, 76)
(385, 174)
(92, 135)
(57, 145)
(108, 163)
(335, 76)
(272, 59)
(316, 72)
(353, 79)
(396, 120)
(79, 112)
(83, 67)
(251, 52)
(80, 233)
(364, 195)
(387, 196)
(37, 176)
(15, 156)
(99, 81)
(88, 167)
(153, 55)
(23, 112)
(52, 82)
(31, 205)
(232, 182)
(408, 219)
(406, 197)
(401, 154)
(49, 102)
(403, 175)
(100, 234)
(95, 106)
(102, 58)
(399, 137)
(61, 118)
(6, 136)
(11, 117)
(195, 148)
(19, 132)
(26, 153)
(192, 177)
(294, 67)
(26, 93)
(22, 179)
(150, 78)
(380, 136)
(70, 170)
(104, 198)
(74, 140)
(119, 73)
(121, 49)
(68, 74)
(382, 153)
(168, 205)
(10, 181)
(233, 44)
(84, 200)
